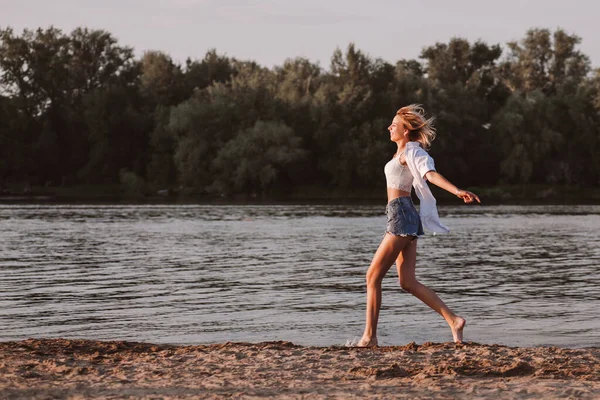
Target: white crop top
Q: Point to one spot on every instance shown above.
(398, 176)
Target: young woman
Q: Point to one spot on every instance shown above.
(409, 167)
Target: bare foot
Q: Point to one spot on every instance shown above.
(367, 342)
(457, 329)
(362, 342)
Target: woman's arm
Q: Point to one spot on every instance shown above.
(438, 179)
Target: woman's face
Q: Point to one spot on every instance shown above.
(396, 129)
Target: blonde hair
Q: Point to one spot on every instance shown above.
(421, 128)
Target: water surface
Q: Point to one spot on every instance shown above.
(520, 275)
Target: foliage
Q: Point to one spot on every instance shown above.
(80, 108)
(132, 183)
(257, 159)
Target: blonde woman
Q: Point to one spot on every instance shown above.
(408, 168)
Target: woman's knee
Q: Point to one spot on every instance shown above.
(373, 277)
(408, 284)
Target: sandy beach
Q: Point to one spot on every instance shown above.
(75, 369)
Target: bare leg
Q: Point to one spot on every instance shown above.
(383, 260)
(406, 263)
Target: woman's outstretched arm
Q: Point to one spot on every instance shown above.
(438, 179)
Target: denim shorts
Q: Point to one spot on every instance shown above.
(403, 218)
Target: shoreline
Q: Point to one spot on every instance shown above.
(191, 201)
(64, 368)
(115, 194)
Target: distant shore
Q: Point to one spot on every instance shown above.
(115, 194)
(62, 368)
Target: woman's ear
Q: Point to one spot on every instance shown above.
(406, 132)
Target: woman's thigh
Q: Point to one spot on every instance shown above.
(406, 262)
(387, 252)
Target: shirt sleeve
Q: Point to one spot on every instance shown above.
(424, 162)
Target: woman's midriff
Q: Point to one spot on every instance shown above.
(395, 193)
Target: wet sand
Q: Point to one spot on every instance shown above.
(75, 369)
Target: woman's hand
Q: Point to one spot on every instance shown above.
(437, 179)
(467, 196)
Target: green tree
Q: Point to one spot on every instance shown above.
(161, 169)
(17, 162)
(258, 159)
(527, 137)
(79, 107)
(363, 153)
(351, 75)
(297, 80)
(460, 61)
(472, 66)
(48, 73)
(212, 68)
(464, 93)
(118, 134)
(200, 126)
(161, 80)
(407, 86)
(34, 68)
(97, 60)
(593, 87)
(545, 61)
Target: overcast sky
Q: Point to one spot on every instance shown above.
(269, 31)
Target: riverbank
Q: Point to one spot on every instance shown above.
(61, 368)
(114, 194)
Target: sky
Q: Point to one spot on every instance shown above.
(271, 31)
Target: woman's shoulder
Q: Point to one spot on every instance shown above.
(416, 149)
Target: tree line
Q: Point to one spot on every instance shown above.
(80, 108)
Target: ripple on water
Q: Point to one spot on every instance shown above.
(521, 275)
